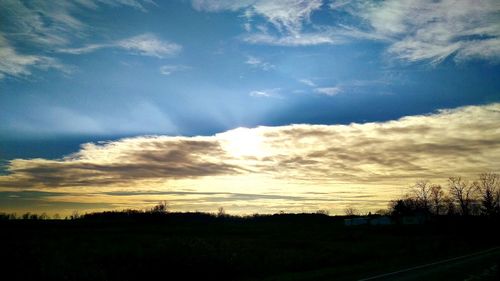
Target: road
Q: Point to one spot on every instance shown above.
(457, 268)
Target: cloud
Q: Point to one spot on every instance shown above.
(258, 63)
(365, 164)
(15, 64)
(46, 26)
(126, 160)
(169, 69)
(267, 93)
(287, 15)
(146, 44)
(453, 141)
(307, 82)
(303, 39)
(426, 30)
(85, 49)
(329, 91)
(149, 45)
(415, 30)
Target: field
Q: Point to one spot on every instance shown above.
(194, 246)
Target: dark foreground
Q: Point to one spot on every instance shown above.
(279, 247)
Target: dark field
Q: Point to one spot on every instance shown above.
(204, 247)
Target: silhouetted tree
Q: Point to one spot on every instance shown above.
(422, 192)
(221, 212)
(75, 215)
(450, 206)
(437, 198)
(323, 212)
(351, 211)
(405, 206)
(161, 207)
(489, 186)
(463, 193)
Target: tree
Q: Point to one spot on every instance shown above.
(221, 212)
(437, 198)
(463, 193)
(161, 207)
(406, 206)
(489, 186)
(351, 211)
(422, 192)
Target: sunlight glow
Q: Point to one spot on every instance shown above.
(243, 142)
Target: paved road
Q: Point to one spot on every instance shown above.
(458, 268)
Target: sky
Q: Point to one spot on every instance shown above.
(257, 106)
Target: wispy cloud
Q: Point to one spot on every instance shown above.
(259, 63)
(307, 82)
(287, 15)
(268, 93)
(15, 64)
(331, 158)
(146, 44)
(149, 45)
(329, 91)
(434, 30)
(45, 26)
(421, 30)
(304, 39)
(170, 69)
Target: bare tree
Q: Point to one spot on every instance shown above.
(221, 212)
(449, 205)
(437, 198)
(463, 193)
(422, 192)
(351, 211)
(489, 186)
(161, 207)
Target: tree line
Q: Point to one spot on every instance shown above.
(458, 197)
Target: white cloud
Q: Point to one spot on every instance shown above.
(45, 26)
(336, 4)
(435, 30)
(15, 64)
(259, 63)
(149, 45)
(289, 14)
(329, 91)
(169, 69)
(307, 82)
(304, 39)
(146, 44)
(416, 30)
(268, 93)
(85, 49)
(286, 16)
(221, 5)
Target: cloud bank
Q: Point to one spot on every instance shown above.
(295, 160)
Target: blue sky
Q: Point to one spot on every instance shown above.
(92, 70)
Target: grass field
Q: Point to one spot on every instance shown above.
(192, 246)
